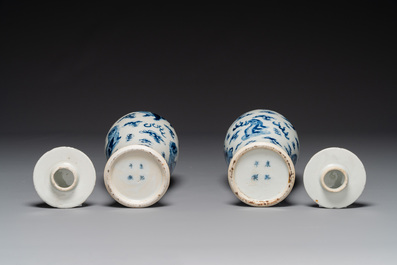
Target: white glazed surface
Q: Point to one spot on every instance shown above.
(328, 159)
(261, 148)
(77, 163)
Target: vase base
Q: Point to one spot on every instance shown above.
(261, 174)
(136, 176)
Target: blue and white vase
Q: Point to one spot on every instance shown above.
(261, 148)
(142, 151)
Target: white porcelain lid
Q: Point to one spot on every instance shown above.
(261, 174)
(136, 176)
(64, 177)
(334, 178)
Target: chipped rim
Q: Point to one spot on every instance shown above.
(125, 200)
(261, 203)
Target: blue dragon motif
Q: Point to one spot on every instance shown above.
(256, 128)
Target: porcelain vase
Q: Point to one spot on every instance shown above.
(261, 148)
(142, 151)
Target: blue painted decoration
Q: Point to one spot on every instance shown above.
(261, 126)
(144, 128)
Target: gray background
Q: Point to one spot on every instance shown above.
(69, 71)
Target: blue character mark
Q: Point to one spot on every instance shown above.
(170, 130)
(142, 177)
(130, 165)
(173, 154)
(113, 139)
(267, 163)
(132, 123)
(130, 177)
(154, 135)
(267, 177)
(141, 166)
(256, 163)
(256, 128)
(129, 137)
(254, 177)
